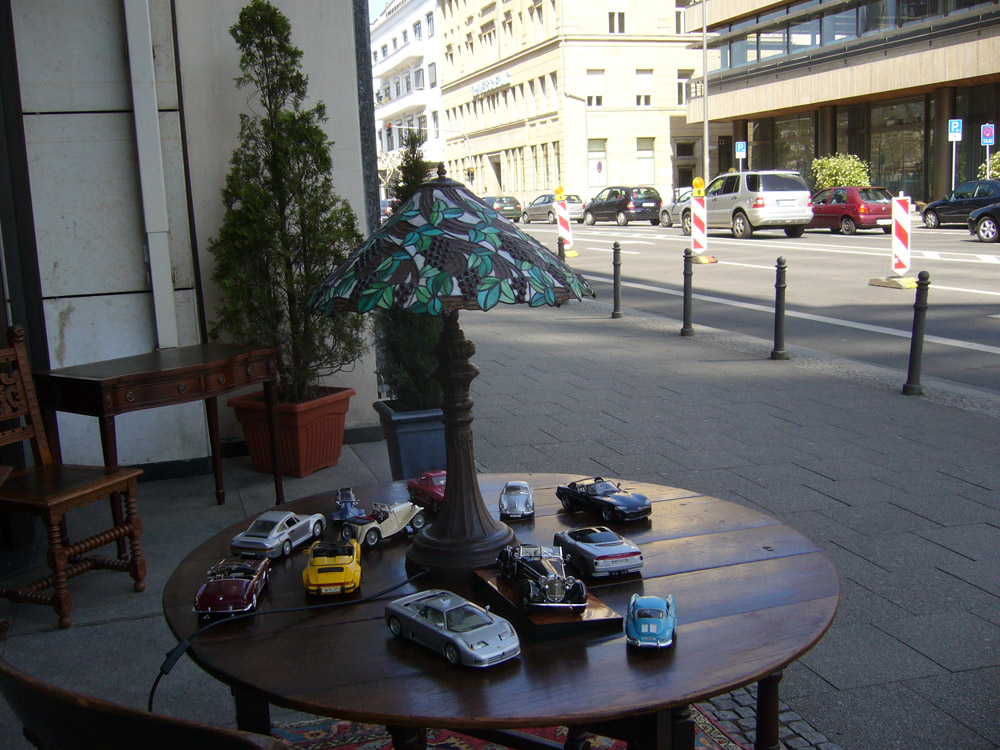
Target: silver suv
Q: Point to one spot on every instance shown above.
(745, 201)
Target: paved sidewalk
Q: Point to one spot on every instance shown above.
(902, 493)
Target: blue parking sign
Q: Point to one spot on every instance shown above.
(954, 130)
(741, 149)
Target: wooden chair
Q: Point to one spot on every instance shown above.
(50, 489)
(58, 719)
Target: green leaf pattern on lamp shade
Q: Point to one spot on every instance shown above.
(446, 250)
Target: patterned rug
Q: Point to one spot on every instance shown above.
(325, 734)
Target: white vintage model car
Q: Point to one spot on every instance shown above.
(384, 521)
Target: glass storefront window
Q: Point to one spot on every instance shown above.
(803, 36)
(794, 142)
(897, 145)
(876, 16)
(913, 11)
(838, 27)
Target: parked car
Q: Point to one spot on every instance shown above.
(983, 223)
(541, 579)
(448, 624)
(543, 208)
(650, 622)
(672, 212)
(427, 490)
(598, 551)
(962, 201)
(844, 210)
(384, 521)
(333, 567)
(275, 532)
(505, 205)
(624, 204)
(604, 497)
(746, 201)
(232, 585)
(516, 501)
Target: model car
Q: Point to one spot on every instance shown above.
(844, 210)
(673, 211)
(275, 532)
(384, 521)
(232, 585)
(650, 622)
(505, 205)
(598, 551)
(540, 574)
(961, 202)
(543, 208)
(983, 223)
(427, 490)
(448, 624)
(624, 204)
(605, 497)
(516, 501)
(333, 567)
(345, 506)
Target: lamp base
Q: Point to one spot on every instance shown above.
(451, 559)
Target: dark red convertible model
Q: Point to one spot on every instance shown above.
(232, 585)
(427, 490)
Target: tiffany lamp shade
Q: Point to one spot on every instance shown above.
(441, 252)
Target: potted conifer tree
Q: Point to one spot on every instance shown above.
(283, 231)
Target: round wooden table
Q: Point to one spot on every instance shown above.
(752, 595)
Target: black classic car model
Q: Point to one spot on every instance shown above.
(604, 497)
(540, 574)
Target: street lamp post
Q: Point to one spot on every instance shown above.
(704, 87)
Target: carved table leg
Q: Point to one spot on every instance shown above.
(212, 412)
(767, 713)
(408, 738)
(253, 713)
(682, 728)
(137, 565)
(576, 739)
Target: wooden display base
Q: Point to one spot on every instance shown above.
(544, 623)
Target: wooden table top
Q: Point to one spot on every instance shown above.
(752, 595)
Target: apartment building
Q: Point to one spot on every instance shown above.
(583, 94)
(878, 78)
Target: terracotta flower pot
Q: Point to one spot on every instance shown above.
(310, 435)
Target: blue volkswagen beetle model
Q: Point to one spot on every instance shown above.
(650, 622)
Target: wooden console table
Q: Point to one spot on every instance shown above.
(171, 376)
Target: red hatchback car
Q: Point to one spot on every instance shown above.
(848, 209)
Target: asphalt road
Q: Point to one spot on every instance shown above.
(830, 305)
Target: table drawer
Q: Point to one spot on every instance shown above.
(230, 378)
(154, 394)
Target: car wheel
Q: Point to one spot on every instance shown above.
(588, 219)
(608, 513)
(847, 225)
(451, 653)
(418, 521)
(566, 503)
(653, 222)
(524, 218)
(395, 626)
(932, 220)
(742, 228)
(795, 231)
(345, 531)
(372, 537)
(986, 229)
(665, 220)
(525, 595)
(686, 223)
(622, 219)
(552, 218)
(516, 219)
(286, 548)
(317, 529)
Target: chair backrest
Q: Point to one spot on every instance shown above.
(20, 415)
(58, 719)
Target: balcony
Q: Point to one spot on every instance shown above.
(407, 56)
(416, 100)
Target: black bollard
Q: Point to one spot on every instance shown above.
(686, 329)
(561, 247)
(912, 385)
(616, 263)
(778, 352)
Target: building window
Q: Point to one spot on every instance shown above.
(374, 56)
(399, 89)
(644, 88)
(406, 83)
(434, 123)
(683, 79)
(595, 88)
(394, 44)
(803, 36)
(385, 94)
(417, 32)
(597, 162)
(418, 78)
(385, 50)
(422, 125)
(645, 164)
(432, 75)
(685, 149)
(406, 36)
(616, 22)
(388, 140)
(430, 25)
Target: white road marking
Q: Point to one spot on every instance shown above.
(610, 249)
(967, 291)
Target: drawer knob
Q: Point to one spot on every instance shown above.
(182, 388)
(222, 380)
(130, 396)
(250, 370)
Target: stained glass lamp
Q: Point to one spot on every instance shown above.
(443, 251)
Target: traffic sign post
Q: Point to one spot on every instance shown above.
(562, 218)
(900, 235)
(741, 152)
(954, 135)
(987, 136)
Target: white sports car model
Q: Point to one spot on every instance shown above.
(598, 551)
(275, 532)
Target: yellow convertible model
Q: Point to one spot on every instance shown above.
(333, 568)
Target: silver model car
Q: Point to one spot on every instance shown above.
(598, 551)
(543, 208)
(516, 501)
(445, 622)
(275, 532)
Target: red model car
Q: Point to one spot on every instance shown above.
(848, 209)
(232, 585)
(427, 490)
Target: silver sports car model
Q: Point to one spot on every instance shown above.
(275, 532)
(445, 622)
(516, 501)
(598, 551)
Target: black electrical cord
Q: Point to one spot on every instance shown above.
(178, 651)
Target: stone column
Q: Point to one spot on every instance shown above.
(826, 131)
(941, 164)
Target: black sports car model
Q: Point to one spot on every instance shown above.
(541, 575)
(605, 497)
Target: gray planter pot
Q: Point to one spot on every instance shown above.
(414, 439)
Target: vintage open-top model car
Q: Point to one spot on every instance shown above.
(384, 521)
(516, 501)
(540, 574)
(345, 506)
(650, 621)
(446, 623)
(333, 567)
(232, 585)
(427, 490)
(605, 497)
(598, 551)
(275, 532)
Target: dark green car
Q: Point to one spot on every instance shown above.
(506, 206)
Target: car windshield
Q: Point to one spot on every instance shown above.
(646, 613)
(875, 195)
(574, 199)
(332, 549)
(597, 537)
(260, 528)
(515, 490)
(777, 183)
(645, 192)
(465, 618)
(439, 481)
(602, 487)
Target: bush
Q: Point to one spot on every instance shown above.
(994, 167)
(839, 170)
